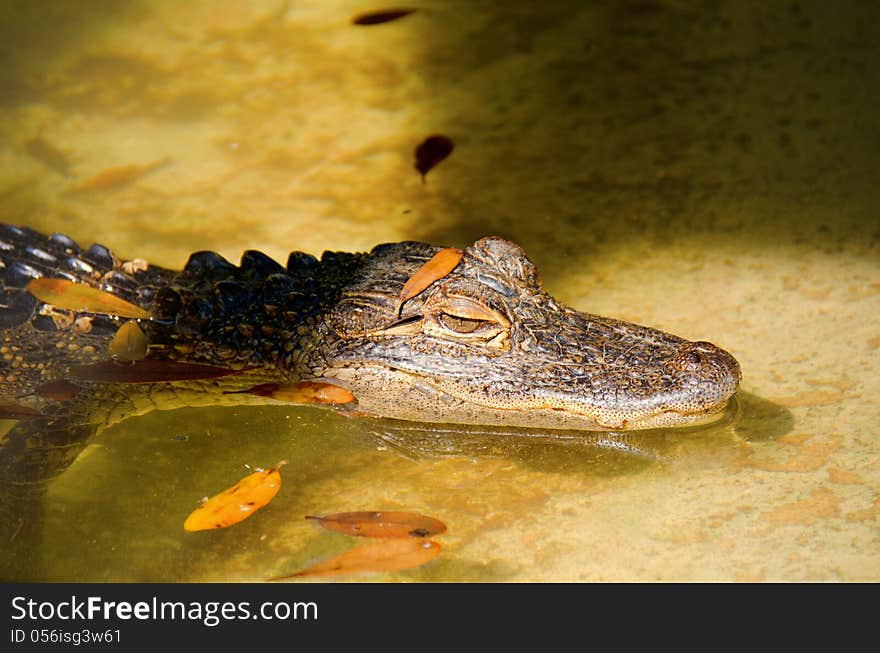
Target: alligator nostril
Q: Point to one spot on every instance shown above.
(694, 356)
(691, 361)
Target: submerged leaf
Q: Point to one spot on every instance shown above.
(146, 371)
(381, 524)
(238, 502)
(440, 265)
(381, 16)
(73, 296)
(304, 392)
(9, 410)
(431, 152)
(130, 343)
(118, 176)
(48, 155)
(384, 555)
(60, 390)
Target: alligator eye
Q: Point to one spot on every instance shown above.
(462, 324)
(464, 318)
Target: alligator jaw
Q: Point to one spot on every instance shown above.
(409, 396)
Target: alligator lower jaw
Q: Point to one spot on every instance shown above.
(598, 420)
(672, 419)
(576, 415)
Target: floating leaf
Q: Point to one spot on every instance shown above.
(441, 264)
(384, 555)
(238, 502)
(146, 371)
(130, 343)
(381, 16)
(381, 524)
(431, 152)
(9, 410)
(304, 392)
(60, 390)
(73, 296)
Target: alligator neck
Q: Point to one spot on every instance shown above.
(255, 315)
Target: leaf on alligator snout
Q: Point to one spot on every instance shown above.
(381, 16)
(73, 296)
(304, 392)
(391, 524)
(130, 343)
(146, 371)
(9, 410)
(440, 265)
(432, 151)
(384, 555)
(60, 390)
(237, 502)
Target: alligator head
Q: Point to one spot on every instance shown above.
(485, 344)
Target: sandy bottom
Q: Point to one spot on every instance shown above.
(708, 172)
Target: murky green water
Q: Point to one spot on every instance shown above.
(706, 171)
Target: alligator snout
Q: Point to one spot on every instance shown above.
(705, 359)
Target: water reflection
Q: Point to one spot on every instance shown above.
(117, 513)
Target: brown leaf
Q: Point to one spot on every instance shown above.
(381, 16)
(431, 152)
(381, 524)
(73, 296)
(384, 555)
(146, 371)
(441, 264)
(60, 390)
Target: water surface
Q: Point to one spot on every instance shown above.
(707, 171)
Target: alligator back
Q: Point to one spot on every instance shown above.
(254, 323)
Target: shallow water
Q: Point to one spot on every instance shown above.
(710, 172)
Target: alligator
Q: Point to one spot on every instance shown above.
(483, 343)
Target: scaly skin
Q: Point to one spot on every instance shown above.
(485, 344)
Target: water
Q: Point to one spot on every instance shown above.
(707, 171)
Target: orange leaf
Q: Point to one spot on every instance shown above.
(384, 555)
(382, 524)
(441, 264)
(236, 503)
(129, 343)
(304, 392)
(73, 296)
